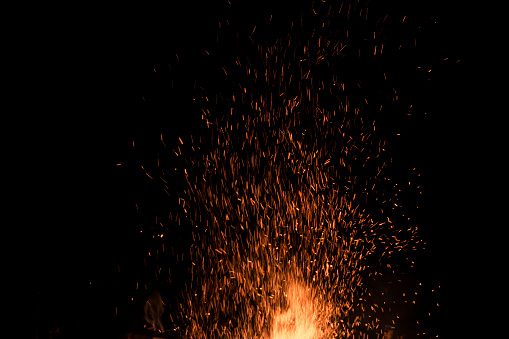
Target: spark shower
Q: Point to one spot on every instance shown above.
(289, 202)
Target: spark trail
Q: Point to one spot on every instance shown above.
(287, 195)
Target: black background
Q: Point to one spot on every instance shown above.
(87, 76)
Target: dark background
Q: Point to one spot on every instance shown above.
(91, 89)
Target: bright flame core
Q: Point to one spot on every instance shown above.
(301, 320)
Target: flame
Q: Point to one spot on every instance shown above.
(154, 309)
(302, 319)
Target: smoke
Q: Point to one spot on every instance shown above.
(154, 309)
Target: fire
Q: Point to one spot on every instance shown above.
(302, 319)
